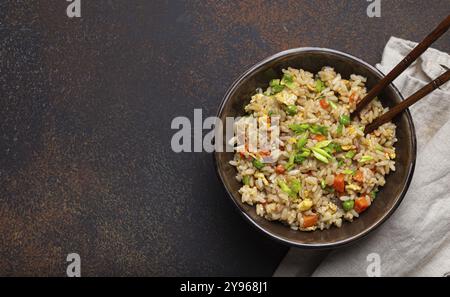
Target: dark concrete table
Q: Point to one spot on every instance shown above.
(86, 164)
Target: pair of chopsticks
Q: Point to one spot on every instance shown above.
(396, 71)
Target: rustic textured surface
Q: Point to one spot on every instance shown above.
(86, 106)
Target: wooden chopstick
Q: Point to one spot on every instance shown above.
(386, 117)
(411, 57)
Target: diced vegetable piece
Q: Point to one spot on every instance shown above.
(344, 120)
(339, 183)
(322, 152)
(373, 194)
(323, 184)
(332, 148)
(291, 110)
(319, 137)
(290, 163)
(258, 164)
(309, 220)
(340, 163)
(323, 143)
(284, 187)
(361, 204)
(299, 128)
(353, 97)
(320, 86)
(246, 179)
(359, 176)
(320, 157)
(365, 159)
(317, 129)
(324, 103)
(299, 159)
(288, 81)
(296, 186)
(348, 205)
(348, 171)
(339, 129)
(277, 88)
(280, 169)
(302, 141)
(350, 154)
(332, 104)
(274, 82)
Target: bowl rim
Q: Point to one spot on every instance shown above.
(384, 217)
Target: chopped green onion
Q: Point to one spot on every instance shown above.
(344, 120)
(373, 194)
(274, 82)
(348, 171)
(305, 153)
(277, 89)
(366, 159)
(284, 187)
(320, 97)
(246, 179)
(296, 186)
(339, 129)
(320, 157)
(322, 144)
(323, 184)
(258, 164)
(288, 81)
(332, 148)
(290, 163)
(332, 104)
(322, 152)
(302, 141)
(291, 110)
(340, 163)
(348, 205)
(299, 128)
(378, 147)
(350, 154)
(314, 129)
(298, 159)
(317, 129)
(320, 86)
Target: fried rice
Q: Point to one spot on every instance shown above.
(321, 168)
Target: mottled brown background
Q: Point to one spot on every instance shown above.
(86, 106)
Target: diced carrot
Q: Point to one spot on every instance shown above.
(359, 176)
(339, 183)
(324, 103)
(309, 220)
(280, 169)
(353, 97)
(361, 204)
(319, 137)
(264, 153)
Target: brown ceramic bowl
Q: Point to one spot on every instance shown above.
(397, 183)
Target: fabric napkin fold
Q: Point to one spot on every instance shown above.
(415, 240)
